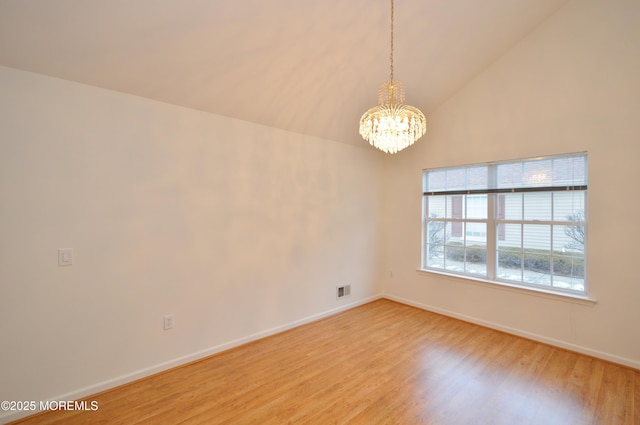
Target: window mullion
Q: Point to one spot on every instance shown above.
(491, 236)
(425, 227)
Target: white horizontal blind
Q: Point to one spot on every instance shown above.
(566, 172)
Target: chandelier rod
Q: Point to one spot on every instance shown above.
(391, 55)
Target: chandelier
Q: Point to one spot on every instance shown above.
(392, 126)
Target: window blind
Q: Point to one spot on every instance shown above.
(554, 173)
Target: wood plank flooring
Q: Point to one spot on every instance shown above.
(380, 363)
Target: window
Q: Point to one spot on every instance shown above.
(517, 222)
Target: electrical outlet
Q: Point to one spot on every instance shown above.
(168, 322)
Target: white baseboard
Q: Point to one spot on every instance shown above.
(6, 417)
(535, 337)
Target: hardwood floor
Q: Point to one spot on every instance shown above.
(381, 363)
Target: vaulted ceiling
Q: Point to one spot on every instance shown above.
(311, 67)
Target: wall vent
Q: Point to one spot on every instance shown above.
(343, 291)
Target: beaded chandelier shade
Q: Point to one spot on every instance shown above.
(392, 126)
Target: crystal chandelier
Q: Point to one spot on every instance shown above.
(392, 126)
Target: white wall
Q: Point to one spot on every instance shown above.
(235, 228)
(240, 229)
(572, 85)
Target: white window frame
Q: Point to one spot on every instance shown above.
(492, 222)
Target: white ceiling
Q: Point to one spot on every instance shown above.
(311, 67)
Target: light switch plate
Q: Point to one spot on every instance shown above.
(168, 322)
(65, 256)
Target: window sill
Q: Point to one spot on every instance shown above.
(537, 292)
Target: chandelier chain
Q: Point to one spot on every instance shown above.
(391, 54)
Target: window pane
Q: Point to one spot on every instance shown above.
(477, 207)
(454, 206)
(512, 236)
(448, 230)
(436, 206)
(568, 265)
(568, 206)
(478, 177)
(568, 272)
(456, 179)
(570, 171)
(436, 181)
(512, 206)
(510, 264)
(537, 268)
(510, 253)
(464, 178)
(435, 233)
(457, 206)
(570, 283)
(476, 257)
(536, 238)
(465, 206)
(537, 173)
(454, 257)
(509, 175)
(568, 239)
(435, 256)
(476, 233)
(537, 206)
(455, 232)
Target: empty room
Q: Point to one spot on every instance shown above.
(330, 212)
